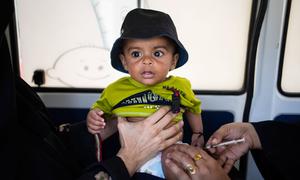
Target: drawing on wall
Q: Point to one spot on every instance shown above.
(110, 14)
(87, 65)
(78, 40)
(81, 65)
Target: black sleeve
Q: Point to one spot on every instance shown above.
(113, 167)
(279, 157)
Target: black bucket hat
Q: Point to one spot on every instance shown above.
(145, 23)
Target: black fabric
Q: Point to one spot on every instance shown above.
(114, 166)
(6, 11)
(117, 169)
(43, 153)
(279, 157)
(80, 144)
(111, 146)
(144, 176)
(8, 122)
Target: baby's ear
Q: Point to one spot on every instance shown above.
(174, 61)
(122, 58)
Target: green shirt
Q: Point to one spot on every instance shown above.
(129, 98)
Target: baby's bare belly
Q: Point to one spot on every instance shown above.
(135, 119)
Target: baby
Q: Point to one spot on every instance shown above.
(147, 50)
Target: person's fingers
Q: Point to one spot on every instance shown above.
(228, 165)
(226, 162)
(217, 150)
(217, 136)
(196, 162)
(198, 144)
(228, 131)
(121, 122)
(100, 123)
(191, 150)
(96, 126)
(165, 120)
(171, 141)
(229, 157)
(155, 117)
(183, 161)
(195, 153)
(96, 114)
(92, 122)
(99, 118)
(99, 112)
(171, 131)
(222, 160)
(95, 122)
(171, 135)
(176, 170)
(92, 128)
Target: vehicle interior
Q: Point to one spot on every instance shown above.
(243, 66)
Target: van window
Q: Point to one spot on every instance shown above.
(215, 34)
(71, 40)
(290, 81)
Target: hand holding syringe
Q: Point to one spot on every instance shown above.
(226, 143)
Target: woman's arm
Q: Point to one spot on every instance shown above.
(140, 141)
(278, 157)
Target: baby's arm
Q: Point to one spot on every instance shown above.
(195, 122)
(95, 121)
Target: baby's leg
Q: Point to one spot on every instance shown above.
(168, 174)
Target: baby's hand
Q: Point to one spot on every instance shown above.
(197, 140)
(95, 121)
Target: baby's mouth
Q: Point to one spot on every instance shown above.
(147, 74)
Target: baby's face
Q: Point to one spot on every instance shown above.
(148, 61)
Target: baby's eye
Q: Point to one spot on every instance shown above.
(136, 54)
(158, 53)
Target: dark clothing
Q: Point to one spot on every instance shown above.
(31, 147)
(279, 157)
(34, 149)
(115, 167)
(43, 154)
